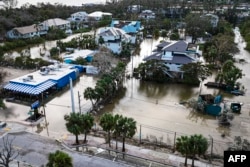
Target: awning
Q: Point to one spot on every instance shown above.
(29, 89)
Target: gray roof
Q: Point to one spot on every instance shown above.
(163, 44)
(27, 29)
(180, 59)
(177, 58)
(180, 46)
(155, 56)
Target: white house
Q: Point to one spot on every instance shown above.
(174, 55)
(214, 19)
(56, 23)
(147, 14)
(26, 32)
(130, 27)
(113, 38)
(38, 29)
(78, 17)
(98, 15)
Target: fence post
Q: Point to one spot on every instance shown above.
(174, 141)
(212, 143)
(140, 134)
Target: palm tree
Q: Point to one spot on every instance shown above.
(59, 159)
(198, 145)
(90, 94)
(107, 122)
(87, 122)
(182, 146)
(116, 127)
(126, 128)
(74, 124)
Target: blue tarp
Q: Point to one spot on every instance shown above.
(30, 89)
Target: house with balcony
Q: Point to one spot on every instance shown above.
(112, 38)
(130, 27)
(78, 17)
(147, 14)
(26, 32)
(174, 55)
(36, 30)
(56, 23)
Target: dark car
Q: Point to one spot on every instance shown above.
(237, 92)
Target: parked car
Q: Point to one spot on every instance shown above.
(2, 124)
(237, 92)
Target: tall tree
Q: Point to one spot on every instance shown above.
(196, 26)
(182, 146)
(225, 47)
(7, 152)
(107, 122)
(194, 73)
(59, 159)
(198, 145)
(229, 74)
(9, 4)
(126, 128)
(90, 94)
(74, 124)
(87, 122)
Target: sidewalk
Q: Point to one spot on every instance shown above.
(97, 145)
(162, 157)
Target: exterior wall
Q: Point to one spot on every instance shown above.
(64, 81)
(174, 67)
(13, 34)
(133, 39)
(114, 47)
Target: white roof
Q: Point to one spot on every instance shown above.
(55, 22)
(38, 78)
(99, 14)
(79, 53)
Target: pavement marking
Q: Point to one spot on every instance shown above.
(7, 129)
(65, 136)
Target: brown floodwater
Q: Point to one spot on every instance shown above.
(154, 106)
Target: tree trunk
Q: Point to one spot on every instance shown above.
(109, 138)
(85, 137)
(185, 160)
(116, 144)
(123, 144)
(77, 141)
(193, 161)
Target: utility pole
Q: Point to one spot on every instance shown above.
(79, 101)
(72, 95)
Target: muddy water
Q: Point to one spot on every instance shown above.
(150, 104)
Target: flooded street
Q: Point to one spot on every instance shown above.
(154, 106)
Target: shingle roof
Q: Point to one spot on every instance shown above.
(180, 46)
(163, 44)
(55, 22)
(180, 59)
(27, 29)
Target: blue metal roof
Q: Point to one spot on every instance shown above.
(29, 89)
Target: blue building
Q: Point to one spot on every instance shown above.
(130, 27)
(85, 54)
(42, 83)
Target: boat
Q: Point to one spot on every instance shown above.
(216, 85)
